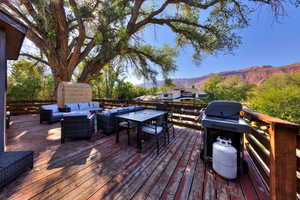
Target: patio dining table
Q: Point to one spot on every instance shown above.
(140, 117)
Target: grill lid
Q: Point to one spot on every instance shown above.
(224, 109)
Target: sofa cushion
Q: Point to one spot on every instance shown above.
(52, 107)
(138, 108)
(72, 106)
(131, 108)
(94, 104)
(84, 106)
(123, 111)
(76, 114)
(57, 114)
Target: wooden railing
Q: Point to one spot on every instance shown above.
(183, 114)
(21, 107)
(272, 145)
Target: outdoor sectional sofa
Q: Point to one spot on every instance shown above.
(51, 113)
(107, 121)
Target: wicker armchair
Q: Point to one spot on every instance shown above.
(77, 125)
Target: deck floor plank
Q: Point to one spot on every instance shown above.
(186, 181)
(170, 189)
(143, 175)
(161, 174)
(102, 169)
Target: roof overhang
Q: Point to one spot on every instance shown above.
(15, 34)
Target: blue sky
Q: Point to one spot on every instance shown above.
(264, 42)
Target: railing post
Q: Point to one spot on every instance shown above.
(3, 68)
(282, 162)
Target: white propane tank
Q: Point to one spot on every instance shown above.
(225, 158)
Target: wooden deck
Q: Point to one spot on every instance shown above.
(101, 169)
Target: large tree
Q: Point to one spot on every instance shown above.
(95, 33)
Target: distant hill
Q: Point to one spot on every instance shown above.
(254, 74)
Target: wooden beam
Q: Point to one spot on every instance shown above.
(283, 162)
(16, 24)
(2, 88)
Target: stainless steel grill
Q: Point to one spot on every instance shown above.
(222, 119)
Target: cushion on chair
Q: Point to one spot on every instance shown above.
(76, 114)
(125, 124)
(152, 129)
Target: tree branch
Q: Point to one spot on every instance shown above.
(151, 15)
(35, 58)
(74, 59)
(61, 29)
(134, 15)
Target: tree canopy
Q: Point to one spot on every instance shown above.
(232, 89)
(278, 96)
(28, 80)
(95, 33)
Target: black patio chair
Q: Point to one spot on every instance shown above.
(128, 126)
(166, 120)
(155, 130)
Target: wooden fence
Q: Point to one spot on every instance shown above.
(273, 146)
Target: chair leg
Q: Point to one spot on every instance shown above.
(173, 132)
(157, 144)
(168, 135)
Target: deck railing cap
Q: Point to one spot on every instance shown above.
(270, 120)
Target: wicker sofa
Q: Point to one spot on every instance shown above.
(51, 113)
(13, 164)
(107, 121)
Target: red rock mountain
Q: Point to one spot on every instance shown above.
(254, 74)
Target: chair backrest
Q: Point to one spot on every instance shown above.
(161, 107)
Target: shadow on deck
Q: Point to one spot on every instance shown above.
(101, 169)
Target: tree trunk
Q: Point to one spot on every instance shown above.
(60, 78)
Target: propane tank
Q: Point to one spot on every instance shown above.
(225, 158)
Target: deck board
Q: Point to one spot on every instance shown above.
(101, 169)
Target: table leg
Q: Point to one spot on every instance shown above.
(139, 142)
